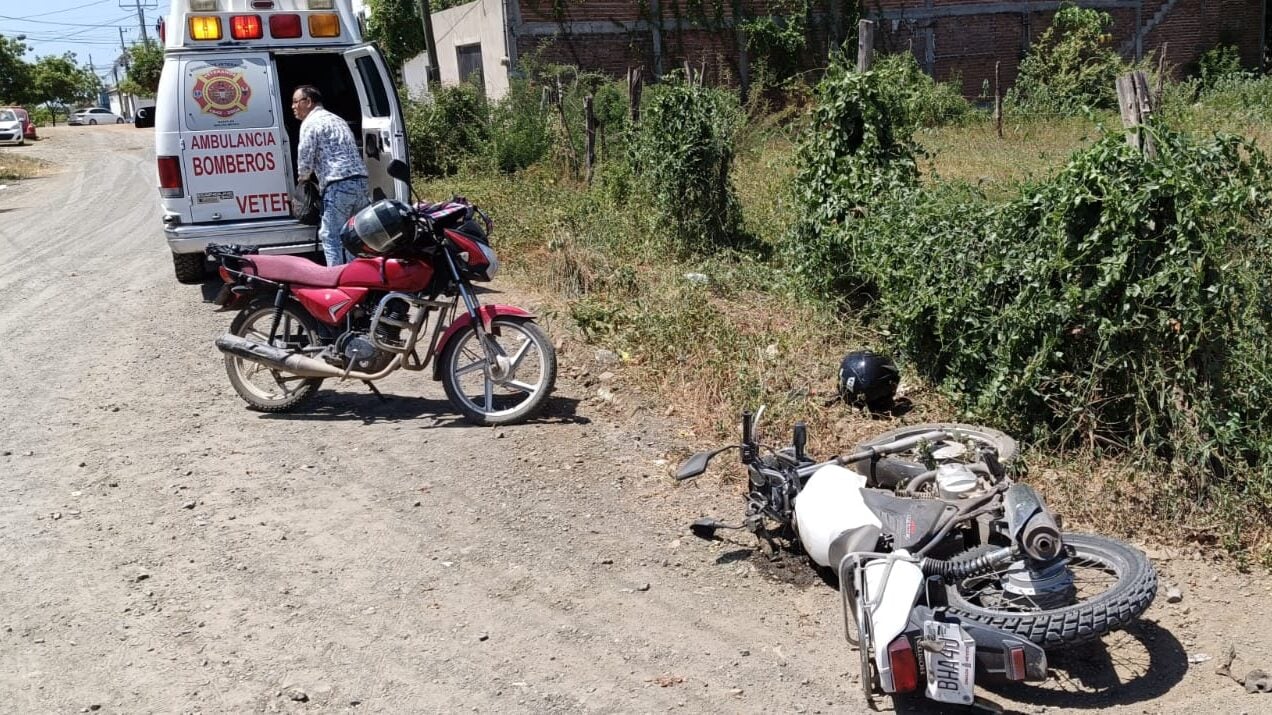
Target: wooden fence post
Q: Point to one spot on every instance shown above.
(865, 45)
(635, 84)
(1136, 105)
(589, 118)
(565, 124)
(998, 99)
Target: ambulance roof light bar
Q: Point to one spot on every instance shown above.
(217, 24)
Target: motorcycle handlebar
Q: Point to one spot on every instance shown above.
(878, 450)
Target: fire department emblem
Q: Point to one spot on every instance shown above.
(222, 92)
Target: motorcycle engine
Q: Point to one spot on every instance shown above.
(358, 351)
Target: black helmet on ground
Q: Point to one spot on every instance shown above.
(869, 379)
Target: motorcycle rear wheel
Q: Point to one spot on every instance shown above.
(265, 389)
(486, 399)
(1094, 561)
(897, 469)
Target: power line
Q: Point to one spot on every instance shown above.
(47, 22)
(58, 12)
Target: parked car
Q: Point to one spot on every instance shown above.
(11, 128)
(28, 126)
(95, 115)
(145, 117)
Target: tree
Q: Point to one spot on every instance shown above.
(59, 82)
(395, 26)
(145, 63)
(15, 72)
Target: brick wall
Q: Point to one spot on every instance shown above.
(617, 36)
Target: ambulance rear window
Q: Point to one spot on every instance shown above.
(376, 94)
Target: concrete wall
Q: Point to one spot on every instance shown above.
(479, 22)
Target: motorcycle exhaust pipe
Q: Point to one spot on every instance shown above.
(278, 359)
(1030, 524)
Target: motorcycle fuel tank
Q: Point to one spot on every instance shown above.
(829, 504)
(387, 274)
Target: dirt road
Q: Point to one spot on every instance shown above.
(165, 550)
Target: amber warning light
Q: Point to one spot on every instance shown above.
(203, 27)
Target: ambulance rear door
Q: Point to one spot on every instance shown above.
(383, 130)
(233, 146)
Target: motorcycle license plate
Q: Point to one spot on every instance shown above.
(951, 670)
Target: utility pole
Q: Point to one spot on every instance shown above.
(123, 58)
(434, 72)
(141, 20)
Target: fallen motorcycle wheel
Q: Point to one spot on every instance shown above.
(512, 391)
(1113, 584)
(263, 388)
(899, 468)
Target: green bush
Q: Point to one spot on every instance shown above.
(859, 148)
(681, 155)
(447, 130)
(1220, 64)
(520, 130)
(1070, 68)
(928, 103)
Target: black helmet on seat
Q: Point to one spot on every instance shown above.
(379, 229)
(869, 379)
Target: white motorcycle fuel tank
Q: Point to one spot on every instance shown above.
(830, 504)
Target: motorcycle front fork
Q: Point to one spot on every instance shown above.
(474, 313)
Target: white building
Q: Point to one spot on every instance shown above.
(471, 39)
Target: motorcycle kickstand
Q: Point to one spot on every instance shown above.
(376, 390)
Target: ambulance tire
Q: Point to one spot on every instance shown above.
(189, 267)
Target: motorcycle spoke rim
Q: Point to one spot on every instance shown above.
(474, 383)
(268, 383)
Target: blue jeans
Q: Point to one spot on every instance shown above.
(340, 200)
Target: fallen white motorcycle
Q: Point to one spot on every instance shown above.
(950, 572)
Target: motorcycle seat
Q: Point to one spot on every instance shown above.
(294, 270)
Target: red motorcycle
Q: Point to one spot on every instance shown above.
(406, 301)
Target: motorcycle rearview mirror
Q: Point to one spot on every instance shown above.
(705, 528)
(398, 169)
(697, 464)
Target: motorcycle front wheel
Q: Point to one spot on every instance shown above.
(515, 388)
(262, 388)
(1113, 584)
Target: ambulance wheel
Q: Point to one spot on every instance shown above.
(188, 267)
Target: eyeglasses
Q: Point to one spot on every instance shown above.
(298, 101)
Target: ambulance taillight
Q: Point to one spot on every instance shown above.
(245, 27)
(170, 186)
(284, 26)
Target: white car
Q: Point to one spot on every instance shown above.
(95, 115)
(10, 128)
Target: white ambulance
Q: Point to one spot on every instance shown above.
(225, 136)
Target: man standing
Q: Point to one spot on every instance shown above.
(329, 152)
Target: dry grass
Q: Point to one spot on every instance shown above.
(1027, 151)
(14, 166)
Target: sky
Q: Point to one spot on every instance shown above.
(85, 27)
